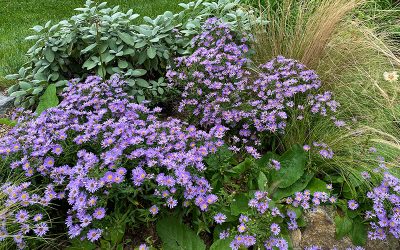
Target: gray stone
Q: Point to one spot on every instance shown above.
(6, 102)
(320, 231)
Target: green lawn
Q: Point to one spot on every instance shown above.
(16, 17)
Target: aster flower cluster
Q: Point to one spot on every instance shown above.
(385, 215)
(256, 226)
(322, 148)
(306, 201)
(97, 139)
(218, 89)
(15, 219)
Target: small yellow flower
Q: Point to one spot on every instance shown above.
(391, 76)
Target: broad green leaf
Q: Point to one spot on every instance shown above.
(358, 233)
(317, 185)
(151, 52)
(89, 64)
(142, 83)
(78, 244)
(88, 48)
(222, 244)
(262, 181)
(140, 98)
(240, 204)
(343, 226)
(48, 99)
(140, 44)
(298, 186)
(264, 161)
(18, 93)
(25, 85)
(176, 235)
(139, 72)
(37, 28)
(243, 166)
(293, 163)
(122, 64)
(37, 90)
(49, 54)
(126, 38)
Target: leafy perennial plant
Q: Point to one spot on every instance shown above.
(97, 140)
(219, 89)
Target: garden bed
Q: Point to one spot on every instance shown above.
(227, 125)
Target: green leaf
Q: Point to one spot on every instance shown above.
(122, 64)
(88, 48)
(242, 167)
(358, 233)
(263, 162)
(25, 85)
(176, 235)
(293, 163)
(151, 52)
(49, 54)
(343, 226)
(137, 72)
(48, 99)
(142, 83)
(317, 185)
(240, 204)
(140, 44)
(126, 38)
(221, 244)
(18, 93)
(7, 122)
(298, 186)
(262, 181)
(140, 98)
(81, 245)
(89, 64)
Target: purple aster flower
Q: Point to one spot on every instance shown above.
(220, 218)
(153, 210)
(275, 229)
(37, 217)
(352, 204)
(94, 234)
(276, 164)
(57, 149)
(242, 228)
(171, 202)
(99, 213)
(365, 175)
(224, 234)
(22, 216)
(143, 247)
(41, 229)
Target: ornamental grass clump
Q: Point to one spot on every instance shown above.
(220, 89)
(98, 146)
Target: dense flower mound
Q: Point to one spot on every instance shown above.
(219, 88)
(98, 139)
(386, 208)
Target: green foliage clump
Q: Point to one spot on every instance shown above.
(105, 41)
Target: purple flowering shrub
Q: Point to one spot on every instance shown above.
(98, 143)
(15, 220)
(385, 213)
(220, 89)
